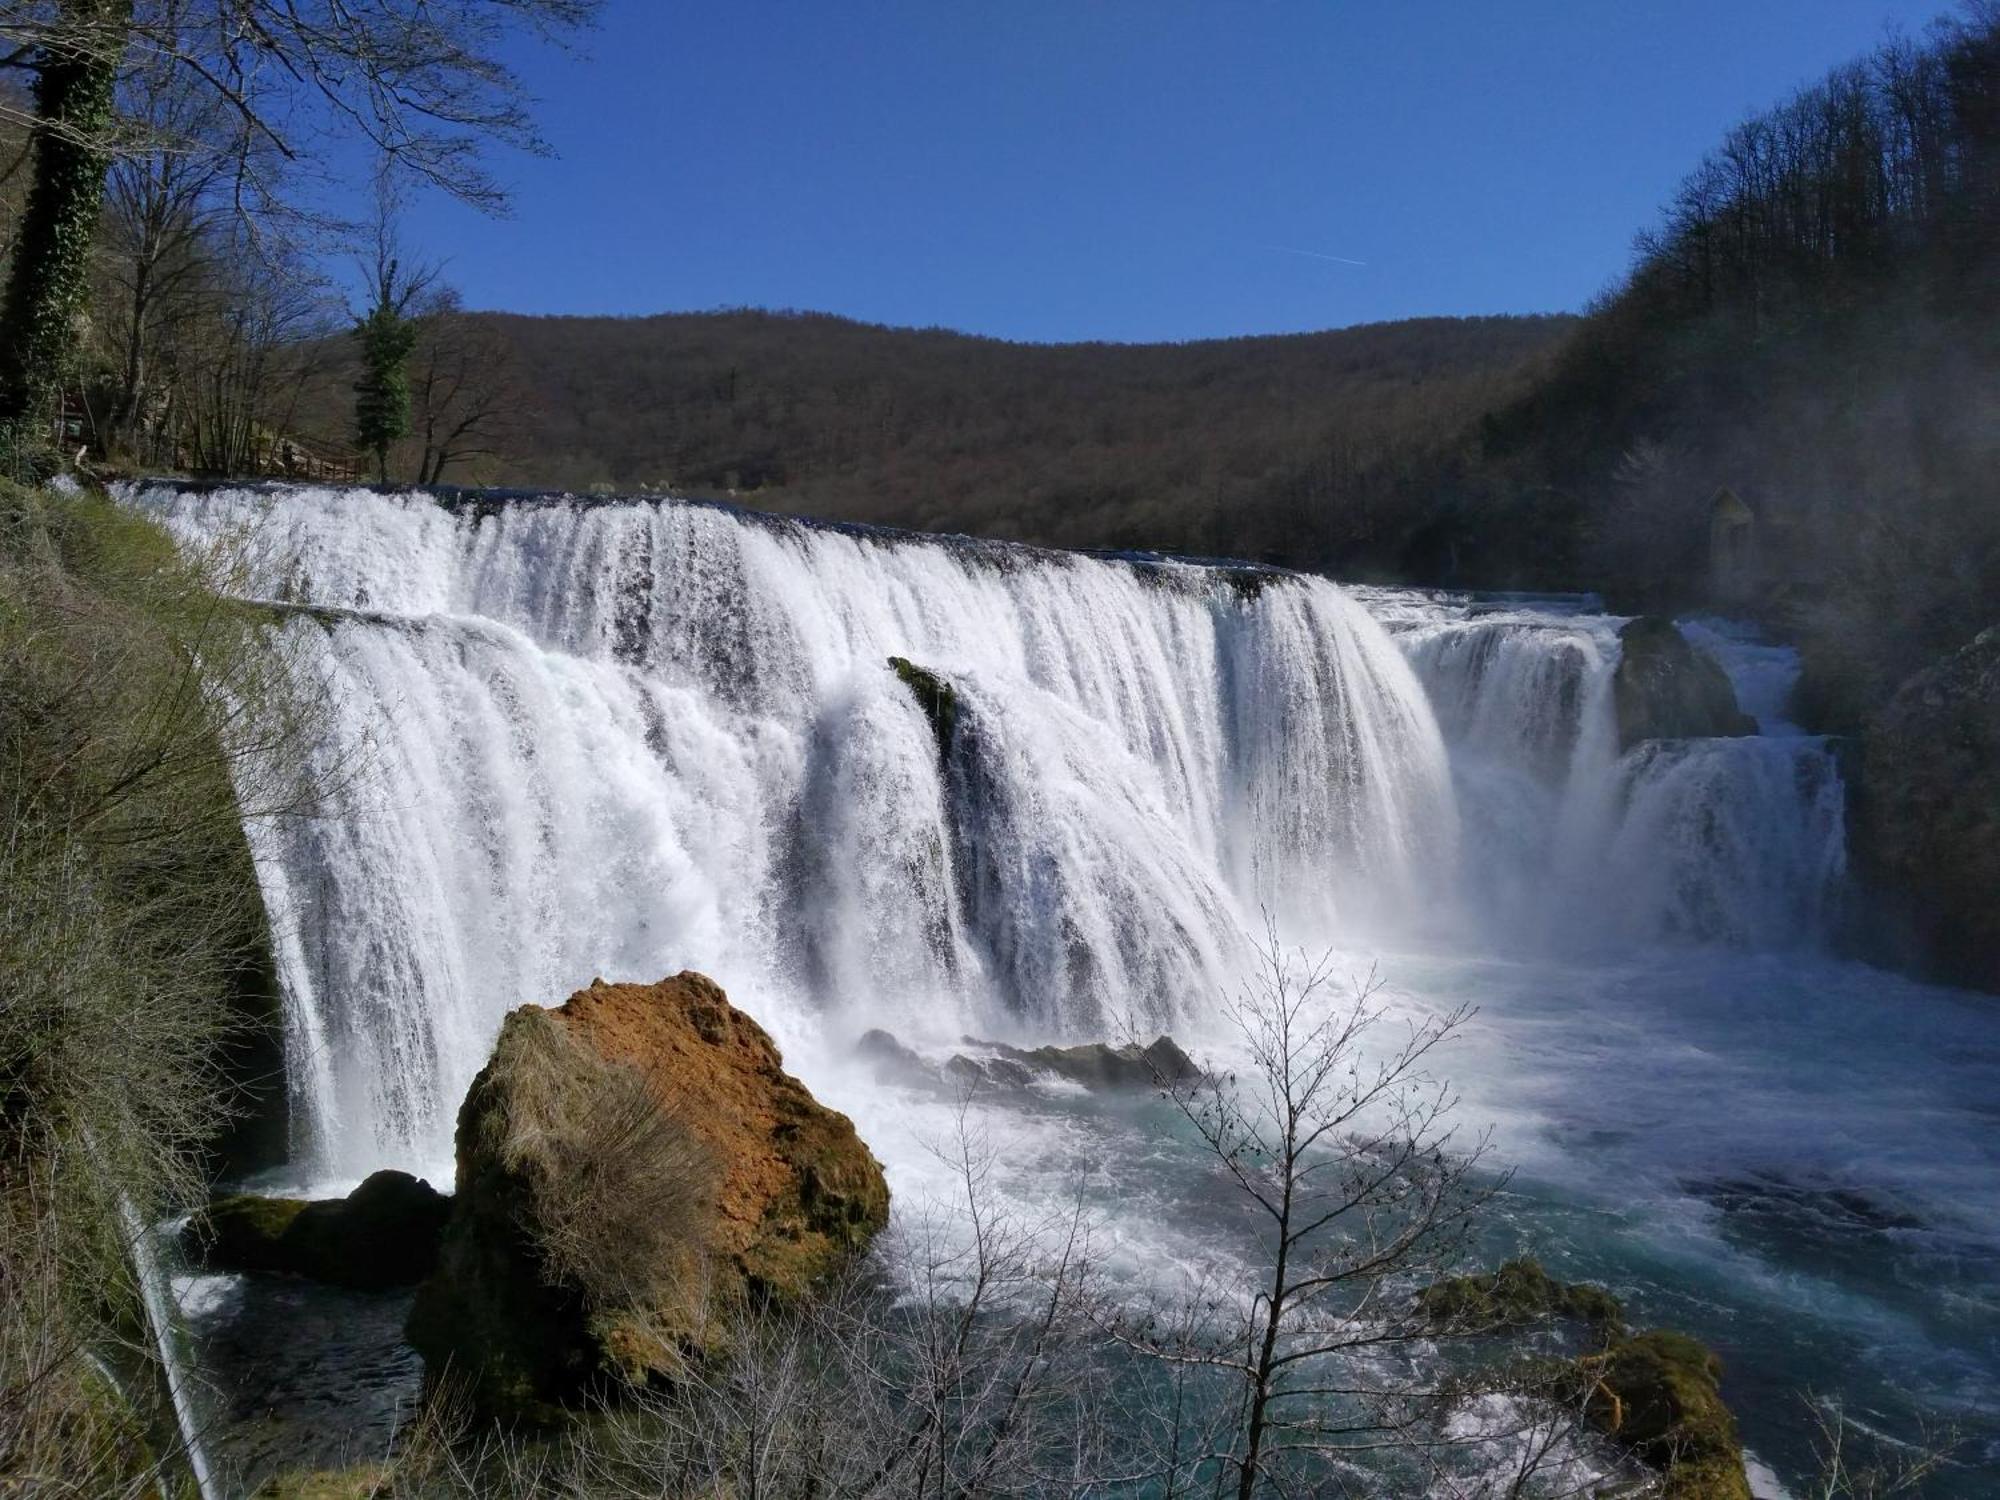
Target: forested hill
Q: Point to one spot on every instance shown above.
(1230, 446)
(1815, 324)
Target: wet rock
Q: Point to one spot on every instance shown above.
(1659, 1394)
(634, 1168)
(242, 1232)
(1099, 1065)
(383, 1234)
(936, 697)
(1926, 813)
(1095, 1065)
(891, 1061)
(988, 1073)
(1518, 1295)
(1666, 688)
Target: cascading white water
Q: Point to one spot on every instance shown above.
(575, 738)
(1735, 841)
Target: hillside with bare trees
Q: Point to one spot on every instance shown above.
(1230, 446)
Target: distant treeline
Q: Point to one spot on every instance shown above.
(1294, 448)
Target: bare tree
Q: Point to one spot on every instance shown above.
(988, 1329)
(236, 364)
(1855, 1465)
(1337, 1137)
(165, 215)
(467, 389)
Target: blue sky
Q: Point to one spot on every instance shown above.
(1123, 169)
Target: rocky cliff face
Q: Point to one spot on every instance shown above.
(1665, 688)
(632, 1168)
(1926, 813)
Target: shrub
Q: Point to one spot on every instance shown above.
(142, 717)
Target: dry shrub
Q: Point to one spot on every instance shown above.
(143, 716)
(624, 1191)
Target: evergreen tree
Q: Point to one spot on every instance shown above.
(387, 336)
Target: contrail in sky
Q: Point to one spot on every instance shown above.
(1340, 260)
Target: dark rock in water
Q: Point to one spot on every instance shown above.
(1660, 1395)
(1518, 1295)
(1925, 818)
(1096, 1065)
(891, 1061)
(936, 697)
(632, 1167)
(1826, 1211)
(992, 1072)
(1099, 1065)
(243, 1232)
(1666, 688)
(383, 1234)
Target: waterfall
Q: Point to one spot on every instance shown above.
(1732, 841)
(573, 738)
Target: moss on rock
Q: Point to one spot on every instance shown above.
(935, 696)
(1656, 1394)
(1660, 1395)
(383, 1234)
(243, 1232)
(1518, 1295)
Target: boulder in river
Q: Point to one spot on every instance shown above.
(1659, 1394)
(1518, 1295)
(1100, 1065)
(383, 1234)
(1926, 817)
(890, 1060)
(633, 1168)
(1667, 688)
(1095, 1065)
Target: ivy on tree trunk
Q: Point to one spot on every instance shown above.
(382, 394)
(48, 283)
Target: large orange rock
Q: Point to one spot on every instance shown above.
(635, 1169)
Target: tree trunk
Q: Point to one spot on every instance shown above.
(49, 280)
(131, 393)
(1267, 1352)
